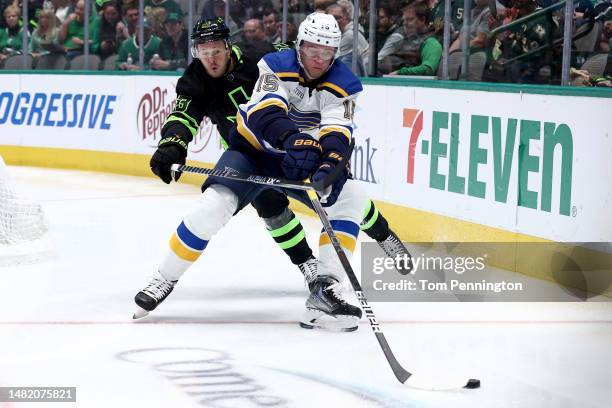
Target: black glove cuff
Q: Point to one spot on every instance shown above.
(173, 139)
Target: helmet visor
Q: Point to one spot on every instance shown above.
(317, 51)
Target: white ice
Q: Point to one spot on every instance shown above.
(228, 335)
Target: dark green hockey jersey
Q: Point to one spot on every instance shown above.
(200, 95)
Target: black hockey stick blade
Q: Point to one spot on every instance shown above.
(436, 383)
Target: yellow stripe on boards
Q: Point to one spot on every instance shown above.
(108, 162)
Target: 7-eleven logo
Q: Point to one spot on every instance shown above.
(413, 118)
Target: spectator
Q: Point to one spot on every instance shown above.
(33, 7)
(254, 31)
(110, 29)
(479, 26)
(157, 18)
(420, 49)
(216, 8)
(127, 60)
(173, 49)
(270, 23)
(62, 9)
(71, 34)
(343, 13)
(389, 34)
(123, 4)
(127, 27)
(437, 17)
(170, 6)
(581, 9)
(322, 5)
(44, 38)
(254, 9)
(521, 44)
(11, 36)
(585, 78)
(291, 30)
(605, 38)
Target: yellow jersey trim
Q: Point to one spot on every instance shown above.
(334, 87)
(282, 75)
(247, 134)
(329, 129)
(265, 103)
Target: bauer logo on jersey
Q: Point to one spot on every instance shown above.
(182, 103)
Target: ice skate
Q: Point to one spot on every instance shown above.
(327, 309)
(152, 295)
(395, 249)
(309, 270)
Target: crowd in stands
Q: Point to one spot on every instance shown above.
(518, 41)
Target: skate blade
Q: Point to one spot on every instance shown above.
(316, 319)
(140, 313)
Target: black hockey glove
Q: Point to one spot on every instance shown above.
(170, 150)
(303, 155)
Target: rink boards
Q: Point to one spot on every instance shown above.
(445, 161)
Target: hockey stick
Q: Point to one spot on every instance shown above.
(232, 174)
(405, 377)
(269, 181)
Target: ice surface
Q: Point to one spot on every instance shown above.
(228, 335)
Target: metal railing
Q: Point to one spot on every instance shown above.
(565, 41)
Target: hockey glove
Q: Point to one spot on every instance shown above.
(330, 161)
(171, 149)
(303, 155)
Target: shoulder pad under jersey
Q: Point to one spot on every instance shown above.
(283, 62)
(340, 81)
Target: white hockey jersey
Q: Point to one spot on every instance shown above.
(327, 106)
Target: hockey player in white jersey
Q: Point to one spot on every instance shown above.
(298, 124)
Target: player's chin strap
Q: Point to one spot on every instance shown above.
(312, 189)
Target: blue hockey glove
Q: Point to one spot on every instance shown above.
(303, 155)
(330, 161)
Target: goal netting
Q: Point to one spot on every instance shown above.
(23, 225)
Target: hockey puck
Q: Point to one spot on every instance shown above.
(472, 383)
